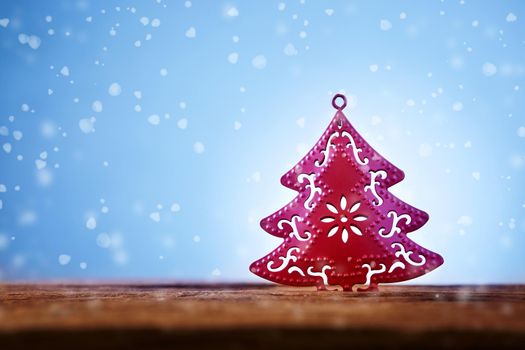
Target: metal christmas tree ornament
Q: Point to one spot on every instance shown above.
(344, 229)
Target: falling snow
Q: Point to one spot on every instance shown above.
(198, 147)
(87, 125)
(385, 25)
(40, 164)
(457, 106)
(103, 240)
(175, 207)
(91, 223)
(96, 106)
(259, 62)
(233, 57)
(33, 41)
(7, 147)
(511, 17)
(114, 89)
(232, 12)
(489, 69)
(133, 106)
(191, 33)
(290, 50)
(182, 123)
(65, 71)
(155, 216)
(64, 259)
(155, 23)
(154, 119)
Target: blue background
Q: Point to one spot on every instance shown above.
(435, 86)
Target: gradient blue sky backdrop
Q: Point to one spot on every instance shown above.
(146, 139)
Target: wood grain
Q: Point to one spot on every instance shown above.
(261, 316)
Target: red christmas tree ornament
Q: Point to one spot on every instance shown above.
(344, 228)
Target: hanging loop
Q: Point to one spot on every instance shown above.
(334, 102)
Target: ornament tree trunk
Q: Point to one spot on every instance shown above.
(344, 228)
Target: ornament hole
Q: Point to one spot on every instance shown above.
(339, 105)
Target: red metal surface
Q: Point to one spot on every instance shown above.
(344, 228)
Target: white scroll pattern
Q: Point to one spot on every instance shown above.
(313, 189)
(369, 275)
(402, 252)
(293, 224)
(395, 220)
(321, 273)
(326, 151)
(355, 287)
(356, 150)
(285, 260)
(296, 269)
(373, 183)
(397, 264)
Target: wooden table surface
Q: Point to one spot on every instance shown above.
(259, 316)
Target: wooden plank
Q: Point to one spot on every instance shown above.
(260, 315)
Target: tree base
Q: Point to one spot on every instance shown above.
(373, 288)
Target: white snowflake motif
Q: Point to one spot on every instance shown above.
(342, 220)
